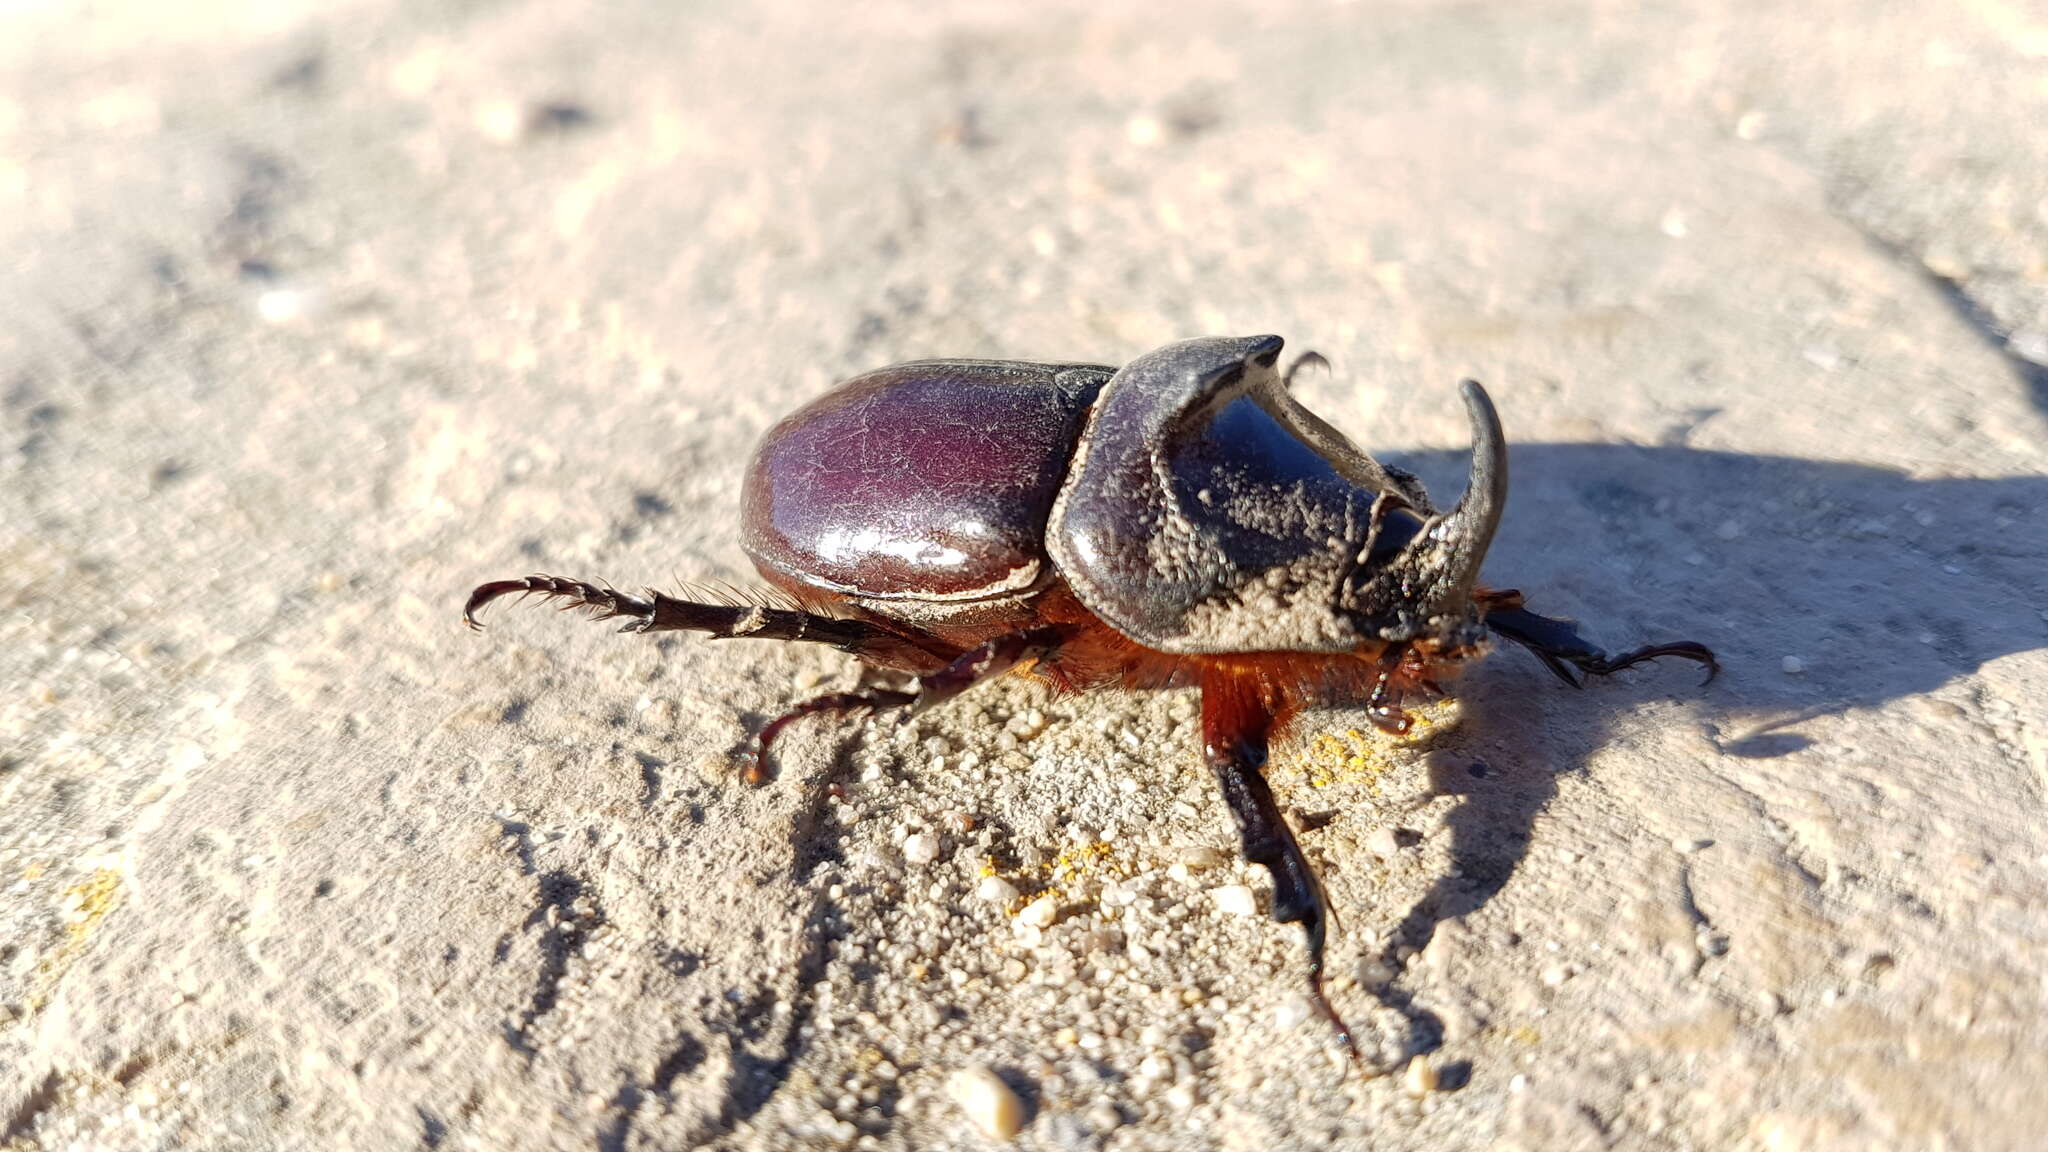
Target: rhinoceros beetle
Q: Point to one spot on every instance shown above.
(1182, 520)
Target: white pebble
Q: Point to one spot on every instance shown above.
(287, 305)
(1421, 1077)
(1792, 665)
(1040, 912)
(988, 1102)
(1236, 899)
(2030, 344)
(506, 121)
(1382, 843)
(1291, 1013)
(996, 890)
(1103, 1118)
(1686, 846)
(920, 848)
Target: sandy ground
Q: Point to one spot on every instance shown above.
(315, 315)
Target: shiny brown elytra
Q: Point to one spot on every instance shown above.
(1179, 521)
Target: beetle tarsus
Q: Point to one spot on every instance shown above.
(1383, 707)
(1235, 726)
(1558, 644)
(603, 602)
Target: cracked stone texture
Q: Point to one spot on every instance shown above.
(315, 315)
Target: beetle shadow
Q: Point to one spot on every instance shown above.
(1881, 585)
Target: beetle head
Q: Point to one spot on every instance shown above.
(1207, 511)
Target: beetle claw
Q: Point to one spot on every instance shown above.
(1558, 644)
(1305, 360)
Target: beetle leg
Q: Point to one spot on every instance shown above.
(838, 703)
(1558, 644)
(657, 612)
(1383, 707)
(985, 662)
(1235, 725)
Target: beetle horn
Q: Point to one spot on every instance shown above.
(1457, 543)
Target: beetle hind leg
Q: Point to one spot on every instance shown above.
(1235, 727)
(1569, 655)
(659, 612)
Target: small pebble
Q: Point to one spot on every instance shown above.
(286, 305)
(1686, 846)
(501, 121)
(987, 1101)
(1291, 1013)
(1235, 899)
(1421, 1077)
(1040, 912)
(920, 848)
(996, 890)
(1792, 665)
(1383, 843)
(1103, 1118)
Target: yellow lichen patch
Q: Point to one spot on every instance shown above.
(1084, 860)
(91, 900)
(85, 905)
(1358, 757)
(1064, 879)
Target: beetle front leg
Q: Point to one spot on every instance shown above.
(1235, 726)
(1558, 644)
(1383, 707)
